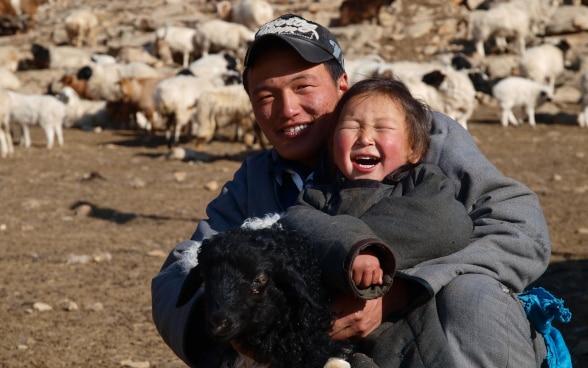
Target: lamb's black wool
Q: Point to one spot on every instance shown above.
(263, 290)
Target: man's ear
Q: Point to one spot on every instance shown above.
(343, 84)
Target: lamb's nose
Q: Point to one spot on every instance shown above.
(220, 324)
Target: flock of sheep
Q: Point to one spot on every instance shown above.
(188, 77)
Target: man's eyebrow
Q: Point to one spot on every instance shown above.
(296, 78)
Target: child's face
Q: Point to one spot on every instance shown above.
(370, 138)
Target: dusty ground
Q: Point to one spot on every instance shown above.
(84, 228)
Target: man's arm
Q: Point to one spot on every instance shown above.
(248, 194)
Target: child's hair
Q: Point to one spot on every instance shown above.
(418, 117)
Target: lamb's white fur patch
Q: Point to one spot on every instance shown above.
(189, 257)
(256, 223)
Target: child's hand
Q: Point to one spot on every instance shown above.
(366, 270)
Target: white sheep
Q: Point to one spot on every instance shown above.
(499, 22)
(250, 13)
(540, 12)
(218, 35)
(103, 79)
(81, 112)
(60, 57)
(442, 87)
(220, 108)
(544, 63)
(175, 102)
(43, 110)
(220, 68)
(514, 92)
(171, 39)
(6, 147)
(80, 27)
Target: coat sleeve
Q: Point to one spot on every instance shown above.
(338, 240)
(183, 328)
(510, 240)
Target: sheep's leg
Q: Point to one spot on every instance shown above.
(49, 133)
(25, 136)
(505, 117)
(3, 144)
(186, 59)
(480, 48)
(8, 137)
(512, 118)
(531, 115)
(59, 134)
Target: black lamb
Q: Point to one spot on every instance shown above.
(263, 290)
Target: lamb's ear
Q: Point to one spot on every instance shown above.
(296, 282)
(190, 286)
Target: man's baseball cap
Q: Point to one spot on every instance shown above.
(315, 43)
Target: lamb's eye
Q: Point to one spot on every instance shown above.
(259, 282)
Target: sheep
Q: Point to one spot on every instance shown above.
(250, 13)
(217, 64)
(21, 9)
(80, 27)
(9, 57)
(9, 80)
(103, 80)
(499, 22)
(138, 93)
(540, 12)
(129, 54)
(59, 57)
(544, 63)
(170, 39)
(443, 88)
(357, 11)
(217, 35)
(175, 102)
(44, 110)
(223, 107)
(6, 146)
(81, 112)
(517, 91)
(274, 302)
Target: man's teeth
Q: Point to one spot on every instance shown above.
(295, 129)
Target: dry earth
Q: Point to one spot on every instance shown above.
(84, 228)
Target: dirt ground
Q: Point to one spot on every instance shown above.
(84, 228)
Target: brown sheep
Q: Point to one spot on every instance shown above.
(356, 11)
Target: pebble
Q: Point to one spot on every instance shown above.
(42, 307)
(132, 364)
(211, 185)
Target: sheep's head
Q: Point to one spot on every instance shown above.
(258, 283)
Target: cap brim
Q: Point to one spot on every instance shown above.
(308, 51)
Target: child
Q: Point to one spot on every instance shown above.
(380, 132)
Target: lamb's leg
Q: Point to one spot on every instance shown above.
(25, 136)
(531, 115)
(49, 133)
(337, 363)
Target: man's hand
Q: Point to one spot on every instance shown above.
(358, 317)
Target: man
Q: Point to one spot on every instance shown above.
(456, 311)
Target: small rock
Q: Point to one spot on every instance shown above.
(83, 210)
(131, 364)
(96, 307)
(42, 307)
(22, 347)
(102, 257)
(583, 231)
(157, 253)
(180, 176)
(176, 153)
(3, 227)
(138, 183)
(68, 305)
(211, 185)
